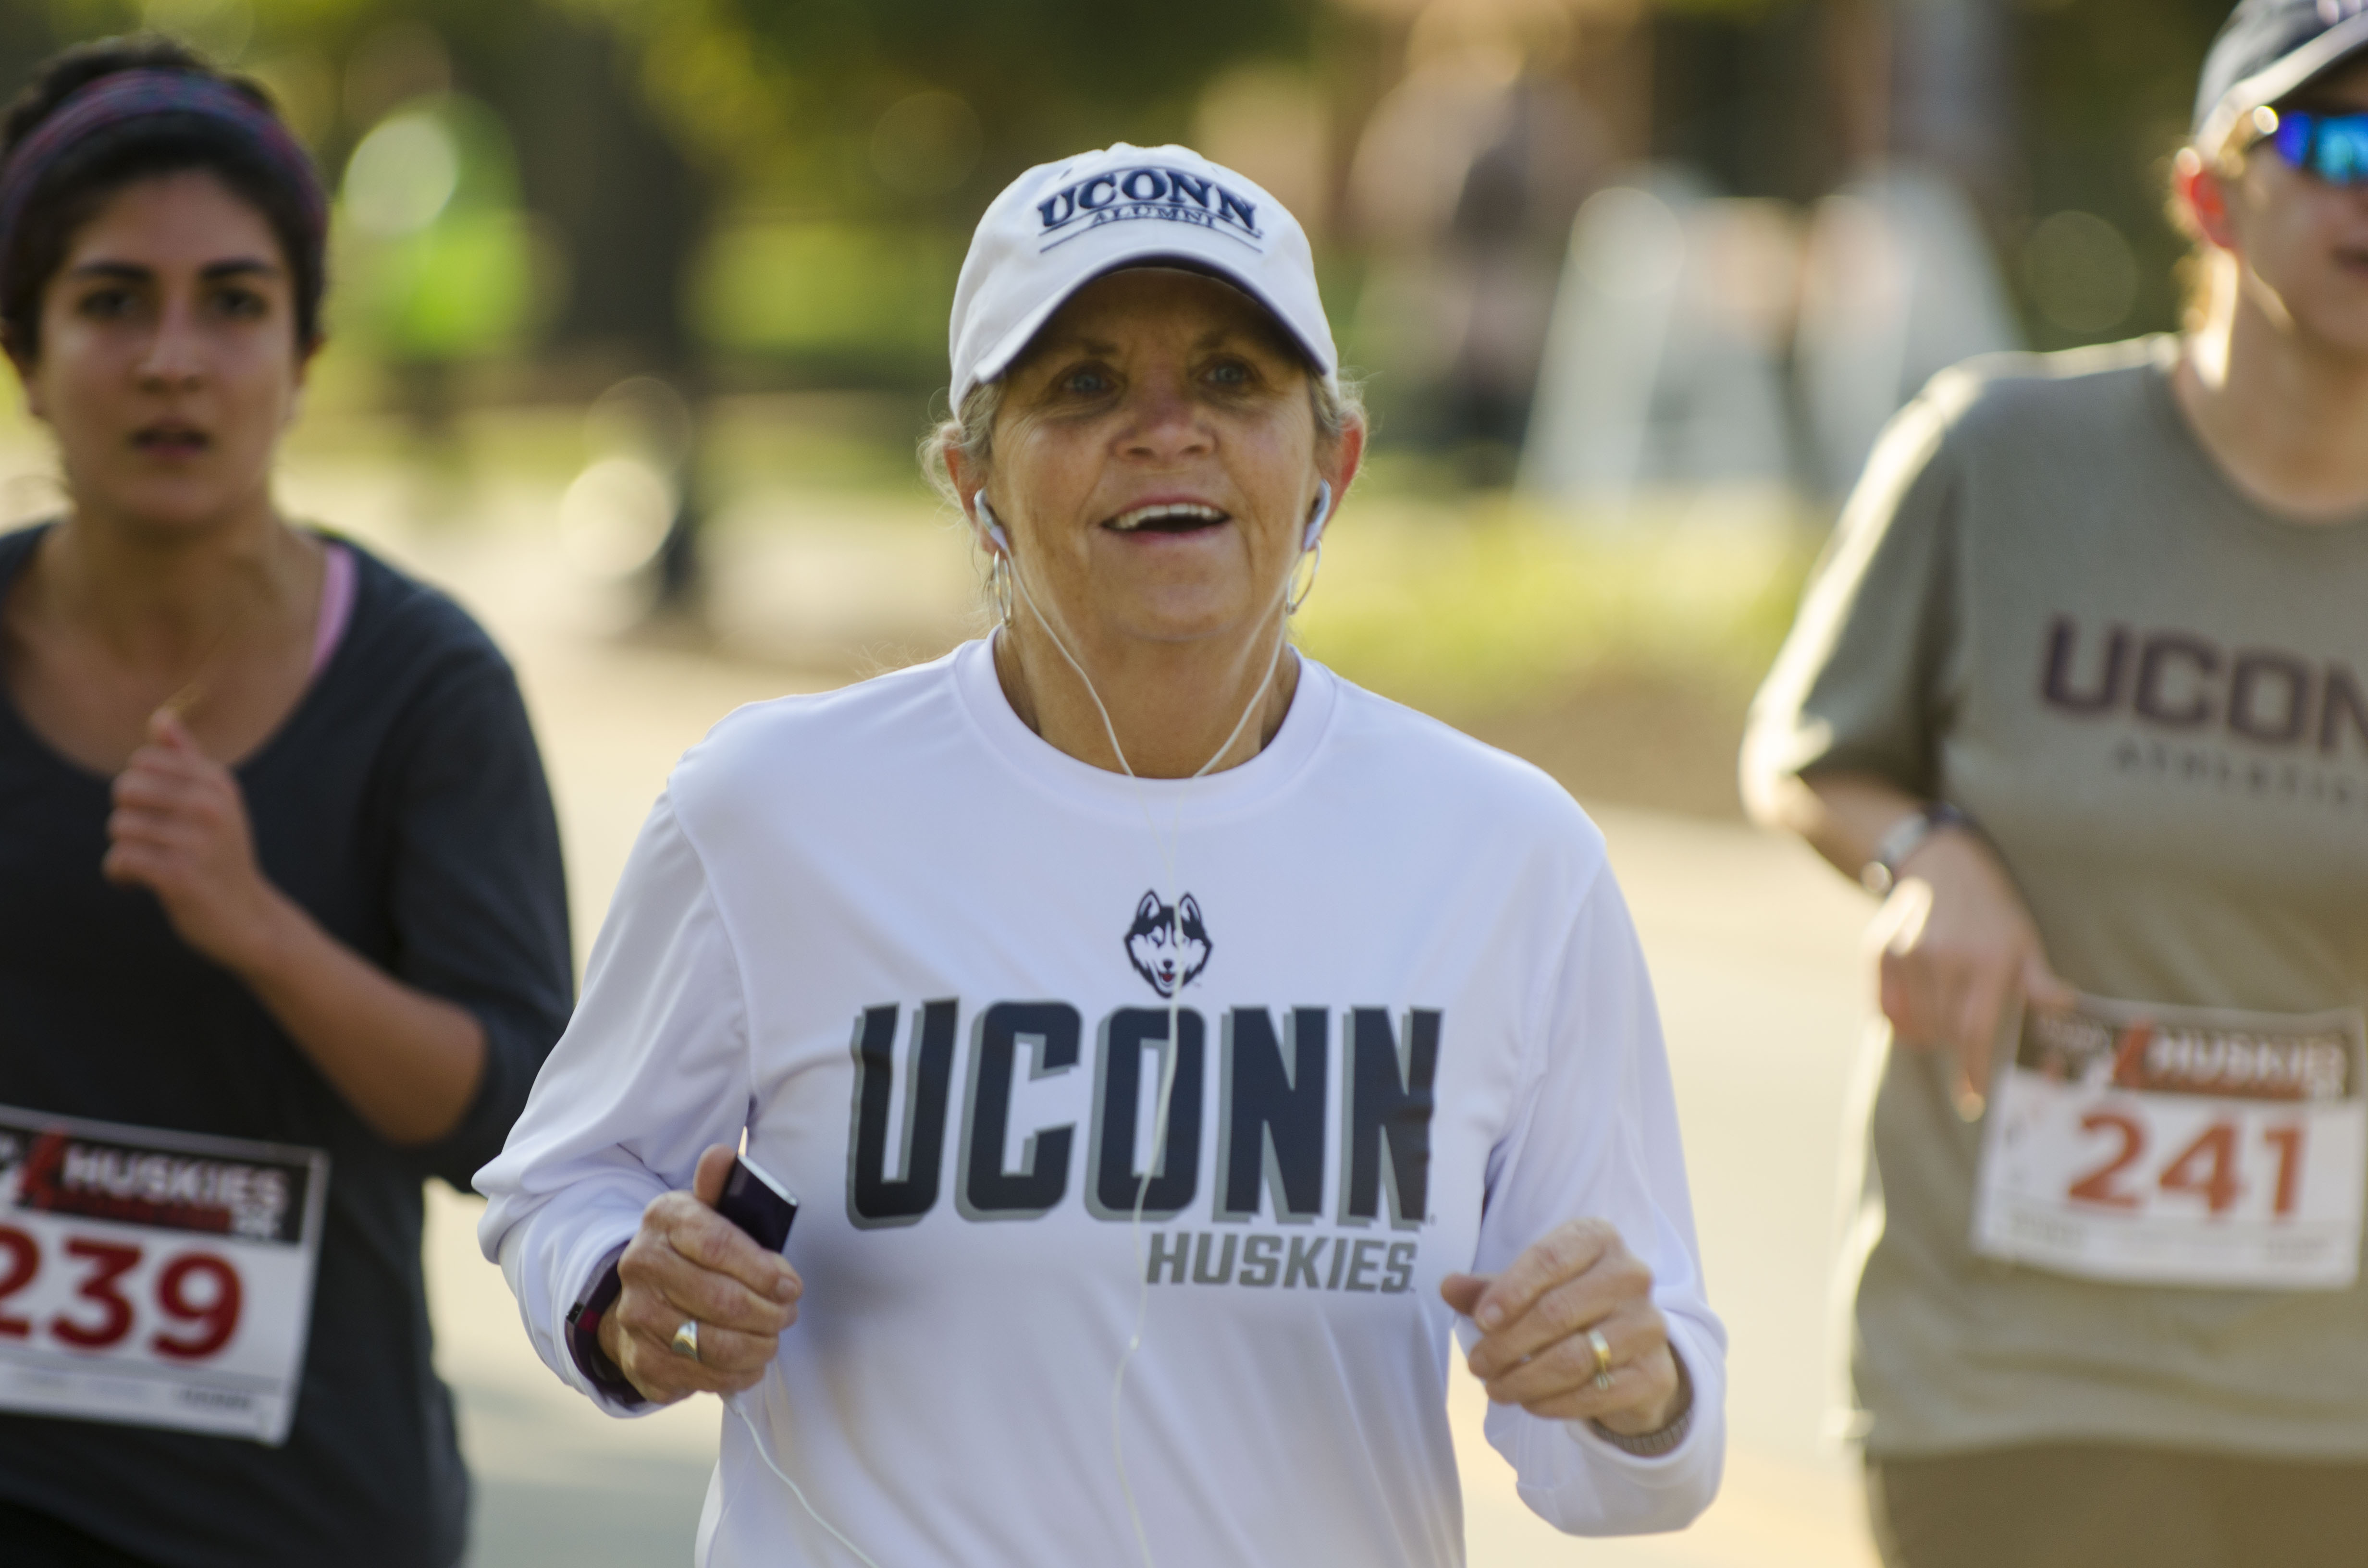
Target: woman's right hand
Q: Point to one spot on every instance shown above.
(1959, 951)
(690, 1264)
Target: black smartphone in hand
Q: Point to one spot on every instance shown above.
(759, 1203)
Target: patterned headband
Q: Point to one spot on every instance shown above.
(135, 95)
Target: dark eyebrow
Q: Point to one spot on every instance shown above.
(238, 266)
(136, 272)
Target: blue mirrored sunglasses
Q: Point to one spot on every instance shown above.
(2332, 146)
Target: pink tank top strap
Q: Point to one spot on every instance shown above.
(337, 603)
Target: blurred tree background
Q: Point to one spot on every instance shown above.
(788, 184)
(729, 230)
(783, 187)
(2076, 106)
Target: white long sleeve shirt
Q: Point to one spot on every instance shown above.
(924, 962)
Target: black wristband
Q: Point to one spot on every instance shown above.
(584, 1338)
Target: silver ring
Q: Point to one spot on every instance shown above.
(1603, 1348)
(684, 1342)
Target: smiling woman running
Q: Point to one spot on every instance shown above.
(945, 945)
(281, 923)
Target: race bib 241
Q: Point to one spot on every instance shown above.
(2160, 1145)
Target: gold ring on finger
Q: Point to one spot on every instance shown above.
(684, 1342)
(1603, 1348)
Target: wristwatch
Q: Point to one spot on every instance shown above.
(1882, 872)
(1652, 1445)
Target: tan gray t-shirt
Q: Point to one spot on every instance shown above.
(2047, 605)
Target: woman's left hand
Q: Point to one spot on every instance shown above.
(1534, 1318)
(179, 829)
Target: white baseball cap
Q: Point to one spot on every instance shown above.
(2268, 49)
(1060, 226)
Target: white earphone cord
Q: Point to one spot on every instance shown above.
(1172, 1048)
(757, 1437)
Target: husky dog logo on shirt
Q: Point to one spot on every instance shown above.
(1167, 944)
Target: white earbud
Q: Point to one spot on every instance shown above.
(994, 530)
(1323, 514)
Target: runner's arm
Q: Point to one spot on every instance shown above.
(1841, 815)
(1598, 1139)
(477, 897)
(653, 1070)
(1847, 736)
(408, 1063)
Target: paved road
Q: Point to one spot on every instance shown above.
(1753, 947)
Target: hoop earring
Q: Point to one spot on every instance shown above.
(998, 579)
(1314, 556)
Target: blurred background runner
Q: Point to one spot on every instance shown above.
(282, 925)
(2079, 687)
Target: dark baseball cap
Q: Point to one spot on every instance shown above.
(2265, 50)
